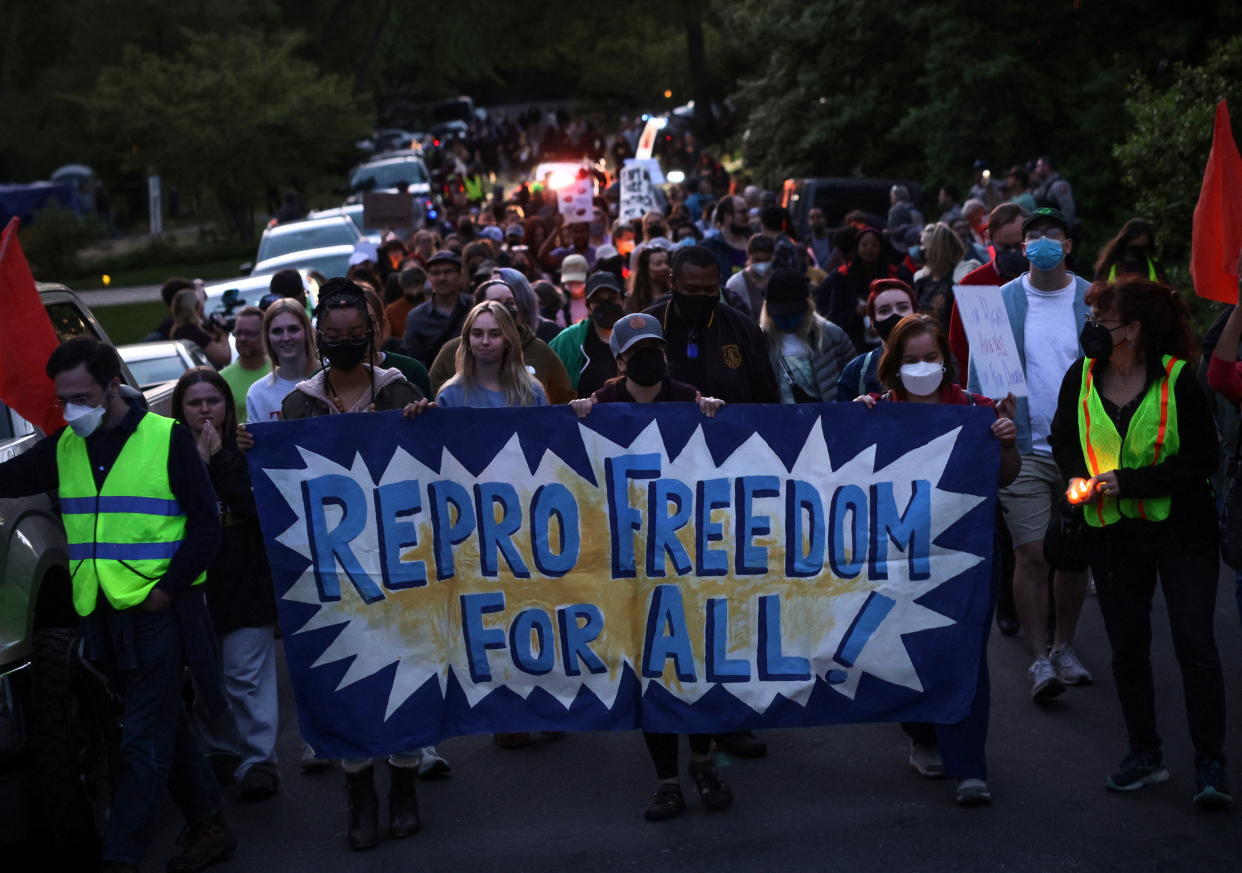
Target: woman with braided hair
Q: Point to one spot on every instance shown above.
(350, 381)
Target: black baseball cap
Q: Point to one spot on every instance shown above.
(444, 256)
(603, 279)
(786, 293)
(1046, 213)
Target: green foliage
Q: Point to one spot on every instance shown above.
(231, 114)
(51, 242)
(1170, 134)
(922, 91)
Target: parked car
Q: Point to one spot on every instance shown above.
(224, 298)
(299, 236)
(155, 363)
(388, 173)
(329, 261)
(59, 724)
(352, 211)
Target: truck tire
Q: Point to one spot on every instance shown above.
(72, 766)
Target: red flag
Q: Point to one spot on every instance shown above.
(1216, 238)
(27, 339)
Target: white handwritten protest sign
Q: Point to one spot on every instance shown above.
(993, 352)
(637, 198)
(575, 201)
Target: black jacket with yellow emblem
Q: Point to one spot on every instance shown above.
(726, 358)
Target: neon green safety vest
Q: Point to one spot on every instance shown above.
(123, 536)
(1151, 272)
(1152, 436)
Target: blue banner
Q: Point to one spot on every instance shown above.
(502, 570)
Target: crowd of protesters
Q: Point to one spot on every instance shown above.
(712, 300)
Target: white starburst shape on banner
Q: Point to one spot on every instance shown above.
(377, 636)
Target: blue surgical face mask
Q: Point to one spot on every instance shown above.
(1044, 254)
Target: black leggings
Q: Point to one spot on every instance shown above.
(663, 749)
(1125, 570)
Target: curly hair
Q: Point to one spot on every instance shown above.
(1159, 310)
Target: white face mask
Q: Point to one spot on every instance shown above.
(84, 420)
(922, 378)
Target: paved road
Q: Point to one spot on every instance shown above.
(95, 297)
(832, 798)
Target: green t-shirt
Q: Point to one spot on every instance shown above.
(240, 379)
(411, 368)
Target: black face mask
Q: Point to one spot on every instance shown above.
(885, 326)
(1010, 263)
(1096, 341)
(694, 308)
(646, 367)
(605, 315)
(345, 354)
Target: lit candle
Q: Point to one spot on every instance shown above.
(1079, 491)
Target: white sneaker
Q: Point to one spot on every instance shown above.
(1069, 669)
(1044, 682)
(926, 761)
(431, 763)
(973, 792)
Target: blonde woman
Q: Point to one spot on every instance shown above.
(807, 351)
(187, 316)
(290, 345)
(491, 371)
(945, 265)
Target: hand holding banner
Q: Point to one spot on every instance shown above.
(517, 569)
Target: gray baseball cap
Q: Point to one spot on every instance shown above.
(633, 328)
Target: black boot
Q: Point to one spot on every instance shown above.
(363, 809)
(403, 820)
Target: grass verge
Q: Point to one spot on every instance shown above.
(130, 322)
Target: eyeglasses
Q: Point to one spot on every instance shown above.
(1051, 233)
(344, 338)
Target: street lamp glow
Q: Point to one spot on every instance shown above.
(667, 94)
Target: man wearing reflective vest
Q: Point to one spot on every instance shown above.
(142, 526)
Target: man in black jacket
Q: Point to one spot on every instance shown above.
(711, 345)
(437, 320)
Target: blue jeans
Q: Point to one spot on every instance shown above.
(158, 747)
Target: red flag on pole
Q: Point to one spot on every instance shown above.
(27, 339)
(1216, 238)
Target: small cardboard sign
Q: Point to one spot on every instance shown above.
(993, 351)
(574, 201)
(637, 197)
(387, 210)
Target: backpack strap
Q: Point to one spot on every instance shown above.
(862, 373)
